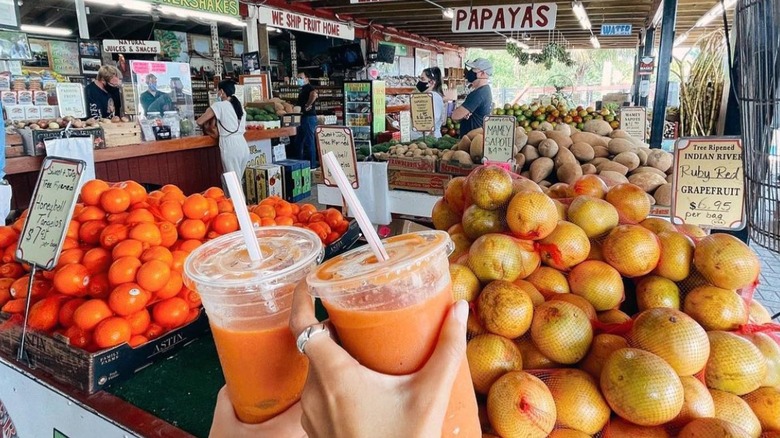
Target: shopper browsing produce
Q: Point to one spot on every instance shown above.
(305, 145)
(103, 100)
(479, 102)
(231, 124)
(430, 82)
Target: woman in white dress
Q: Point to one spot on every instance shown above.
(231, 126)
(430, 82)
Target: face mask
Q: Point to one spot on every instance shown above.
(300, 82)
(152, 87)
(471, 75)
(422, 86)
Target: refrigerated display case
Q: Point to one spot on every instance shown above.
(364, 109)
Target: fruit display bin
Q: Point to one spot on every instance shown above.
(90, 372)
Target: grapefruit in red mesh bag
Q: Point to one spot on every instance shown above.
(566, 433)
(736, 411)
(596, 217)
(676, 256)
(602, 347)
(765, 403)
(654, 291)
(726, 261)
(455, 195)
(613, 316)
(770, 348)
(561, 331)
(632, 250)
(549, 281)
(715, 308)
(520, 405)
(444, 216)
(758, 313)
(520, 185)
(674, 337)
(490, 357)
(504, 309)
(477, 222)
(563, 209)
(490, 187)
(620, 428)
(693, 231)
(501, 257)
(559, 191)
(465, 285)
(536, 297)
(565, 247)
(698, 402)
(462, 245)
(533, 359)
(735, 365)
(531, 215)
(590, 185)
(631, 202)
(597, 282)
(578, 400)
(596, 253)
(712, 428)
(578, 301)
(641, 387)
(656, 225)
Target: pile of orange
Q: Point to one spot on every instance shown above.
(119, 276)
(328, 224)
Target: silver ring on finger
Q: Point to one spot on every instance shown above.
(308, 333)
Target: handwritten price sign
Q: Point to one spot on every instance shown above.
(709, 185)
(339, 140)
(499, 137)
(421, 105)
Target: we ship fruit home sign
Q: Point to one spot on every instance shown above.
(304, 23)
(504, 18)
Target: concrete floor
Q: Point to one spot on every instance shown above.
(768, 292)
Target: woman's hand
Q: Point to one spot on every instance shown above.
(227, 425)
(345, 399)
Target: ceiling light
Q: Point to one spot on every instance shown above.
(582, 16)
(680, 39)
(43, 30)
(273, 29)
(595, 42)
(448, 13)
(659, 14)
(714, 13)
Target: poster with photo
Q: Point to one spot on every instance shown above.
(238, 48)
(9, 13)
(89, 48)
(40, 54)
(14, 45)
(250, 61)
(161, 87)
(201, 44)
(90, 66)
(62, 59)
(173, 45)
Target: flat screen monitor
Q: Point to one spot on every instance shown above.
(347, 56)
(386, 54)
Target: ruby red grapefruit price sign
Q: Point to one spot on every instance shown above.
(304, 23)
(505, 18)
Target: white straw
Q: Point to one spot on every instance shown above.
(245, 223)
(354, 204)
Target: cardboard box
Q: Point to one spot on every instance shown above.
(261, 152)
(40, 98)
(14, 112)
(49, 112)
(262, 181)
(25, 97)
(431, 183)
(411, 164)
(33, 140)
(90, 372)
(291, 120)
(456, 168)
(316, 177)
(296, 175)
(8, 98)
(344, 242)
(32, 112)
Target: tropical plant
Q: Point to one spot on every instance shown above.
(552, 52)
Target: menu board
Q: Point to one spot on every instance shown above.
(70, 100)
(405, 122)
(339, 140)
(50, 211)
(633, 120)
(709, 185)
(499, 137)
(423, 119)
(128, 99)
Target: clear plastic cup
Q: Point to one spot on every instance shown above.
(388, 315)
(248, 305)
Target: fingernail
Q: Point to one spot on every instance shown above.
(461, 311)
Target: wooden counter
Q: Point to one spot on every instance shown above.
(192, 163)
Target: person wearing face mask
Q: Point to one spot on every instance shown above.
(305, 144)
(148, 97)
(103, 100)
(430, 82)
(479, 102)
(231, 124)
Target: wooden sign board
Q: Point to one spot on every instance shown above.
(50, 212)
(129, 101)
(339, 140)
(405, 123)
(499, 137)
(423, 119)
(70, 100)
(709, 184)
(633, 120)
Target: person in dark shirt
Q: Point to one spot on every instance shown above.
(479, 102)
(103, 98)
(305, 144)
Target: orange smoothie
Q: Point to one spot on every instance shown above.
(261, 389)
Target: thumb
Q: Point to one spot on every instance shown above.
(438, 374)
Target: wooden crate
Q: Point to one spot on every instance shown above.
(14, 146)
(121, 133)
(432, 183)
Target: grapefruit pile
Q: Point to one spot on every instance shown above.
(119, 276)
(591, 319)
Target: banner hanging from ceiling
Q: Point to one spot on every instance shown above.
(505, 18)
(304, 23)
(221, 7)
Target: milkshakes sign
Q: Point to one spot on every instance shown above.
(222, 7)
(304, 23)
(536, 16)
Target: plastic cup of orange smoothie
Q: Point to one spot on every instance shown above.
(388, 315)
(248, 305)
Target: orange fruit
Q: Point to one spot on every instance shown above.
(91, 213)
(333, 217)
(77, 337)
(137, 340)
(171, 211)
(168, 234)
(14, 306)
(189, 245)
(90, 231)
(295, 209)
(117, 218)
(14, 270)
(72, 232)
(255, 219)
(225, 206)
(172, 287)
(173, 196)
(214, 193)
(153, 275)
(111, 332)
(139, 321)
(160, 253)
(192, 315)
(96, 260)
(191, 297)
(115, 200)
(65, 315)
(138, 216)
(213, 210)
(147, 233)
(99, 286)
(320, 228)
(226, 223)
(284, 220)
(128, 298)
(265, 211)
(73, 255)
(304, 215)
(113, 234)
(154, 331)
(136, 191)
(127, 248)
(72, 279)
(90, 313)
(267, 222)
(317, 217)
(171, 313)
(178, 260)
(123, 270)
(92, 190)
(192, 229)
(195, 206)
(44, 315)
(5, 290)
(283, 208)
(171, 188)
